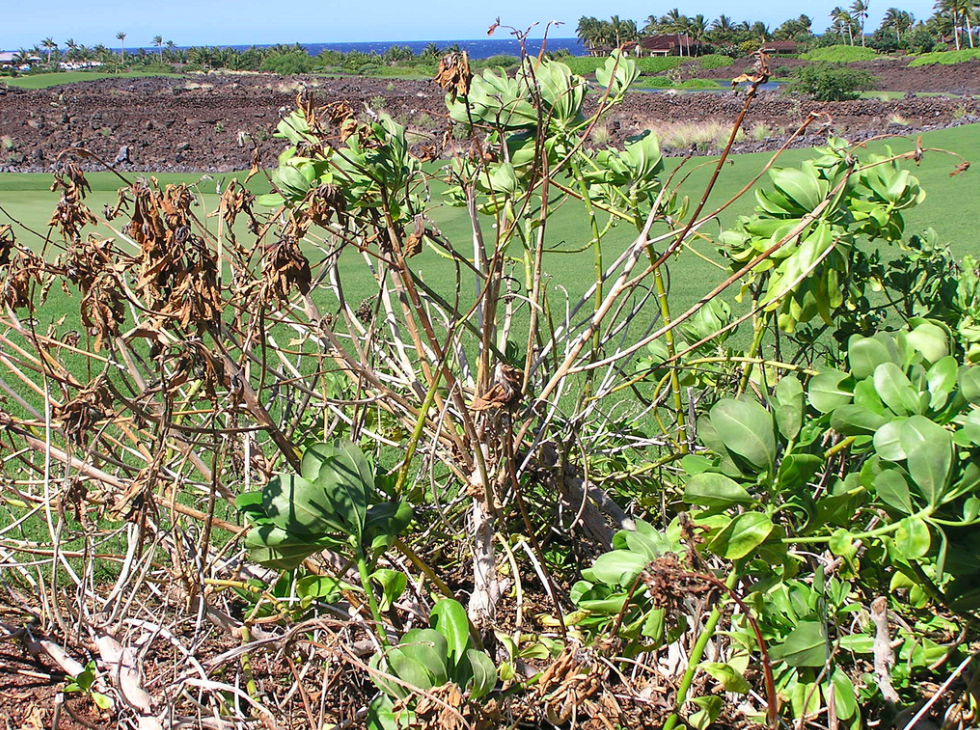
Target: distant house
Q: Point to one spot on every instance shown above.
(8, 59)
(675, 44)
(781, 48)
(600, 51)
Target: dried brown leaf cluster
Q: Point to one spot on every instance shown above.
(454, 75)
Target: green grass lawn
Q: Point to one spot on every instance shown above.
(951, 208)
(43, 81)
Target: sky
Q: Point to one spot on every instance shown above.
(244, 22)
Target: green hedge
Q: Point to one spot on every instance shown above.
(699, 84)
(584, 65)
(840, 54)
(946, 58)
(714, 60)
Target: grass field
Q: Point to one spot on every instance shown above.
(43, 81)
(950, 208)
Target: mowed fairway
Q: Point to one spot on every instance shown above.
(951, 208)
(43, 81)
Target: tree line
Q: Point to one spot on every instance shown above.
(954, 23)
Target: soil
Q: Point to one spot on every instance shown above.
(219, 122)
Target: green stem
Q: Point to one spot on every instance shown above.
(675, 383)
(883, 530)
(697, 652)
(760, 330)
(379, 627)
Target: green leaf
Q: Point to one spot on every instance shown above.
(930, 456)
(448, 617)
(484, 674)
(711, 706)
(805, 646)
(392, 583)
(790, 406)
(893, 490)
(410, 670)
(741, 536)
(381, 714)
(747, 430)
(730, 678)
(101, 701)
(715, 490)
(618, 567)
(969, 381)
(325, 587)
(912, 538)
(888, 441)
(799, 185)
(841, 542)
(273, 547)
(796, 470)
(930, 340)
(429, 649)
(300, 507)
(895, 390)
(854, 420)
(866, 353)
(942, 381)
(825, 392)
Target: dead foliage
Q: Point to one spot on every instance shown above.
(285, 269)
(759, 73)
(454, 75)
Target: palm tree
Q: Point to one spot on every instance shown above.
(722, 27)
(22, 58)
(897, 20)
(49, 45)
(121, 37)
(158, 42)
(588, 31)
(652, 25)
(843, 21)
(860, 10)
(72, 53)
(760, 31)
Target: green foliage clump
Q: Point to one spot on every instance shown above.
(947, 58)
(584, 65)
(840, 54)
(655, 82)
(830, 82)
(699, 84)
(713, 61)
(288, 64)
(499, 61)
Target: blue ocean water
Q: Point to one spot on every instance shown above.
(480, 48)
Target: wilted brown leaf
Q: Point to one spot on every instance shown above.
(454, 75)
(960, 169)
(759, 73)
(285, 268)
(505, 392)
(80, 415)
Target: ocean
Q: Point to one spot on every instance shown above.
(479, 48)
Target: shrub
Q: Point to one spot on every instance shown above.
(655, 82)
(287, 64)
(584, 65)
(947, 58)
(828, 82)
(500, 61)
(699, 84)
(840, 54)
(713, 61)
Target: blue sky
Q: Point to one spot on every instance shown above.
(200, 22)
